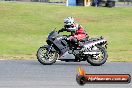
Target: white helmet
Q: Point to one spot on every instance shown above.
(69, 21)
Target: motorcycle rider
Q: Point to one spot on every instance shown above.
(78, 33)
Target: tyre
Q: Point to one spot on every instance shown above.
(98, 59)
(45, 59)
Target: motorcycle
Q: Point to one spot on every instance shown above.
(93, 50)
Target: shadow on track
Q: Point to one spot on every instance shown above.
(62, 63)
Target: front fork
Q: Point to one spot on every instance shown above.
(48, 50)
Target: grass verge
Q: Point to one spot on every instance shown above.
(25, 26)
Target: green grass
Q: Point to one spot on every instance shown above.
(25, 26)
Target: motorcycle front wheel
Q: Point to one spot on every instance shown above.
(98, 59)
(44, 58)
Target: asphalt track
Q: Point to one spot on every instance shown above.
(31, 74)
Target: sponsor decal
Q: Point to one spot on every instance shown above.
(83, 78)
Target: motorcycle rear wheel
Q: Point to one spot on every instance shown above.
(98, 61)
(46, 59)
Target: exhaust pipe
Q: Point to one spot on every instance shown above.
(91, 53)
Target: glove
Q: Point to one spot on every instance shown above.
(59, 31)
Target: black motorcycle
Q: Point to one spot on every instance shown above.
(93, 50)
